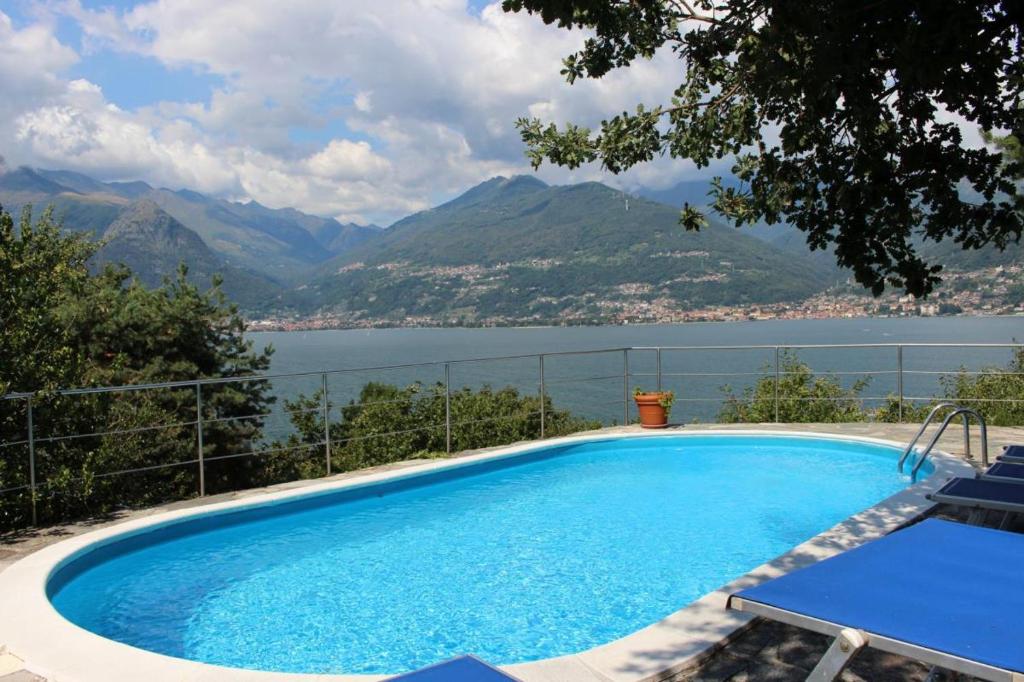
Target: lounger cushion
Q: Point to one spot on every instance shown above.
(1006, 470)
(940, 585)
(462, 669)
(1014, 453)
(968, 491)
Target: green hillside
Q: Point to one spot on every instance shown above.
(246, 236)
(152, 244)
(517, 248)
(789, 239)
(341, 238)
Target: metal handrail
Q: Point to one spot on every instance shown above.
(920, 432)
(966, 412)
(190, 383)
(205, 417)
(769, 346)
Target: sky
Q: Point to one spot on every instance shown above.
(363, 110)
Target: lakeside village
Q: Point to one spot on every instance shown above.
(990, 291)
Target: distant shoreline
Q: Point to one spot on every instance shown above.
(314, 325)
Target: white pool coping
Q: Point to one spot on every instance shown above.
(57, 649)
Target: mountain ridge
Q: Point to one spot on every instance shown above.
(516, 250)
(507, 250)
(277, 244)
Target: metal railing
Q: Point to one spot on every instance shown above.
(774, 369)
(636, 364)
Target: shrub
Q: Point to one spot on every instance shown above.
(996, 392)
(802, 397)
(389, 424)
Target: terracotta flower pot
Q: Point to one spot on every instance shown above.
(653, 414)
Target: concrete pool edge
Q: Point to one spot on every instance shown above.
(32, 629)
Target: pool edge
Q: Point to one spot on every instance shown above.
(34, 631)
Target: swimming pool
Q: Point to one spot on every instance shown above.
(541, 553)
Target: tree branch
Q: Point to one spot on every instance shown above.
(685, 8)
(711, 103)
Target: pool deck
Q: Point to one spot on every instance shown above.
(755, 650)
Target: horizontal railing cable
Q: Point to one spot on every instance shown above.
(329, 408)
(115, 432)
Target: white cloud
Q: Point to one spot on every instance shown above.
(345, 160)
(360, 108)
(422, 94)
(363, 102)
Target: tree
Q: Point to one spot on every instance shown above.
(837, 115)
(41, 271)
(62, 325)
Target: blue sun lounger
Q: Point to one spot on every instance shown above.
(1012, 453)
(461, 669)
(981, 495)
(1004, 471)
(944, 593)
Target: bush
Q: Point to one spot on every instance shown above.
(996, 392)
(389, 424)
(802, 397)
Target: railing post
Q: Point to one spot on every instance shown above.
(899, 379)
(199, 438)
(542, 393)
(625, 387)
(32, 461)
(448, 407)
(776, 384)
(658, 355)
(327, 422)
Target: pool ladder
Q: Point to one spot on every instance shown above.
(958, 410)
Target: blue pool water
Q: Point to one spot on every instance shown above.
(543, 555)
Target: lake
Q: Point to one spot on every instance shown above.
(592, 384)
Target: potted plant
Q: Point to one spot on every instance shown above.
(654, 407)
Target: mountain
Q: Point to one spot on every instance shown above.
(30, 184)
(82, 212)
(517, 249)
(339, 238)
(693, 192)
(246, 235)
(698, 193)
(152, 244)
(791, 240)
(509, 250)
(130, 190)
(73, 181)
(279, 244)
